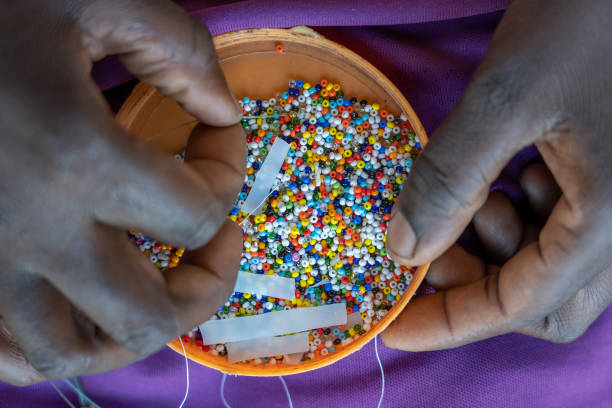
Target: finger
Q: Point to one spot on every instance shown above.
(131, 283)
(14, 367)
(162, 45)
(572, 319)
(537, 280)
(455, 267)
(499, 227)
(541, 189)
(58, 341)
(117, 287)
(207, 277)
(150, 192)
(218, 155)
(450, 179)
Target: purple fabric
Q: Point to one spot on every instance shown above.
(428, 48)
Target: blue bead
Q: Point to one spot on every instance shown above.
(305, 180)
(347, 102)
(367, 287)
(318, 87)
(288, 258)
(308, 170)
(382, 124)
(258, 102)
(299, 83)
(245, 100)
(328, 287)
(355, 308)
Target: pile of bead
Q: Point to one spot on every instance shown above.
(324, 222)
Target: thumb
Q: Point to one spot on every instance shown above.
(450, 179)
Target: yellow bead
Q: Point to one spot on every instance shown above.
(371, 140)
(375, 106)
(348, 153)
(307, 86)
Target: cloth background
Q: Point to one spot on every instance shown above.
(429, 49)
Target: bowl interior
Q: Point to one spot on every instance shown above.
(254, 67)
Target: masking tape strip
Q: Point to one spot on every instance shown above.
(272, 323)
(266, 346)
(265, 285)
(266, 175)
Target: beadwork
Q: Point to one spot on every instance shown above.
(324, 222)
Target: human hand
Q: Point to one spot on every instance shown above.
(76, 297)
(545, 80)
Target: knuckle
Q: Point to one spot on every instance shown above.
(22, 380)
(60, 362)
(145, 337)
(496, 91)
(558, 329)
(203, 227)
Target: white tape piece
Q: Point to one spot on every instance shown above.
(353, 319)
(266, 346)
(272, 323)
(265, 285)
(266, 175)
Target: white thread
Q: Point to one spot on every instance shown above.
(222, 391)
(226, 405)
(61, 394)
(186, 373)
(382, 372)
(286, 391)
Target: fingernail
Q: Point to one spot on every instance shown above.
(401, 239)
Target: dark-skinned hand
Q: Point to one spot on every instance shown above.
(76, 297)
(545, 80)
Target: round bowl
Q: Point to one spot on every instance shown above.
(259, 63)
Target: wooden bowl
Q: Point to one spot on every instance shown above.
(254, 67)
